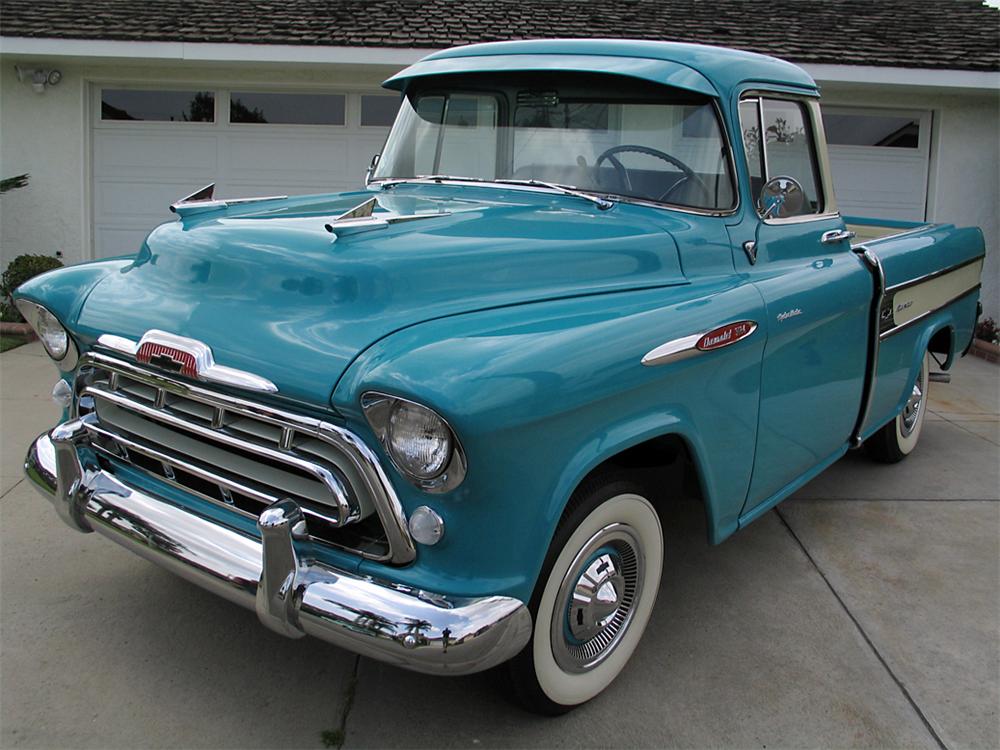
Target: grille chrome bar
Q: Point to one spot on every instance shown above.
(171, 461)
(368, 478)
(345, 513)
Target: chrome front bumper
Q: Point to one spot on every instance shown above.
(410, 628)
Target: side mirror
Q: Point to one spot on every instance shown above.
(371, 169)
(780, 198)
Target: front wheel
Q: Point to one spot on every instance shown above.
(896, 440)
(593, 599)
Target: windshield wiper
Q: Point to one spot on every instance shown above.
(390, 181)
(602, 203)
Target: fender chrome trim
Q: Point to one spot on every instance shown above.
(700, 343)
(874, 264)
(292, 595)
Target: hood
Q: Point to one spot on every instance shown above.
(273, 292)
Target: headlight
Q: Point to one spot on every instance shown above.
(51, 333)
(419, 442)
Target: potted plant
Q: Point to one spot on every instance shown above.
(986, 343)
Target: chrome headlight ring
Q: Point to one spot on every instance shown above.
(55, 338)
(389, 416)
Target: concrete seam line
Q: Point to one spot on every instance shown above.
(12, 488)
(335, 738)
(864, 635)
(965, 429)
(896, 500)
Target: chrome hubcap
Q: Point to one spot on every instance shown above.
(598, 595)
(911, 412)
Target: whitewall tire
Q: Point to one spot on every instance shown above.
(594, 597)
(896, 440)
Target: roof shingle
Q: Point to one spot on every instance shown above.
(950, 34)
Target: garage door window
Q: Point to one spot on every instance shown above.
(259, 108)
(158, 106)
(882, 130)
(378, 111)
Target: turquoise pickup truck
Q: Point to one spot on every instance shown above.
(435, 421)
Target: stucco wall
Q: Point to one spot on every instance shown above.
(47, 135)
(42, 134)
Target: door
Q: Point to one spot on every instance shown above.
(817, 296)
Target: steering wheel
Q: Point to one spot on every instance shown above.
(626, 181)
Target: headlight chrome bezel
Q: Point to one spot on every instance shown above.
(39, 317)
(378, 409)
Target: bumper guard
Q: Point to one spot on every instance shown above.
(406, 627)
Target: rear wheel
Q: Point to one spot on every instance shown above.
(593, 599)
(896, 440)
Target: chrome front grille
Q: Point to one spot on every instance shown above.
(243, 455)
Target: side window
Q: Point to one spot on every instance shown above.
(750, 128)
(778, 142)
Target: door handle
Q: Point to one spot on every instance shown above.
(836, 235)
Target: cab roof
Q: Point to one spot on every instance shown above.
(714, 71)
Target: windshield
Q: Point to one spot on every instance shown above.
(645, 142)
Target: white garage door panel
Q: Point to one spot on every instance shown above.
(286, 156)
(116, 240)
(879, 181)
(363, 148)
(883, 186)
(119, 152)
(117, 200)
(140, 168)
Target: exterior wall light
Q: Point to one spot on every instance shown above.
(39, 78)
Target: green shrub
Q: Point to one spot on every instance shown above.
(22, 268)
(987, 330)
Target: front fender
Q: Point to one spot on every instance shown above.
(64, 290)
(540, 394)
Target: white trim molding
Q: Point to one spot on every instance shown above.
(983, 80)
(401, 56)
(202, 52)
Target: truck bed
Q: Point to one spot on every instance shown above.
(870, 230)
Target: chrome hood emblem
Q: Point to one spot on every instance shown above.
(183, 356)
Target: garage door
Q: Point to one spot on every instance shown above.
(151, 147)
(879, 159)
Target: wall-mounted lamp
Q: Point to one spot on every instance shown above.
(39, 78)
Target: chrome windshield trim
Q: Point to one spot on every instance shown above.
(389, 183)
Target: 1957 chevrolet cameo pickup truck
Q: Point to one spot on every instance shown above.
(435, 421)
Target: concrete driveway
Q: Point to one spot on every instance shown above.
(863, 613)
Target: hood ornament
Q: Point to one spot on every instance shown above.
(180, 355)
(203, 200)
(362, 218)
